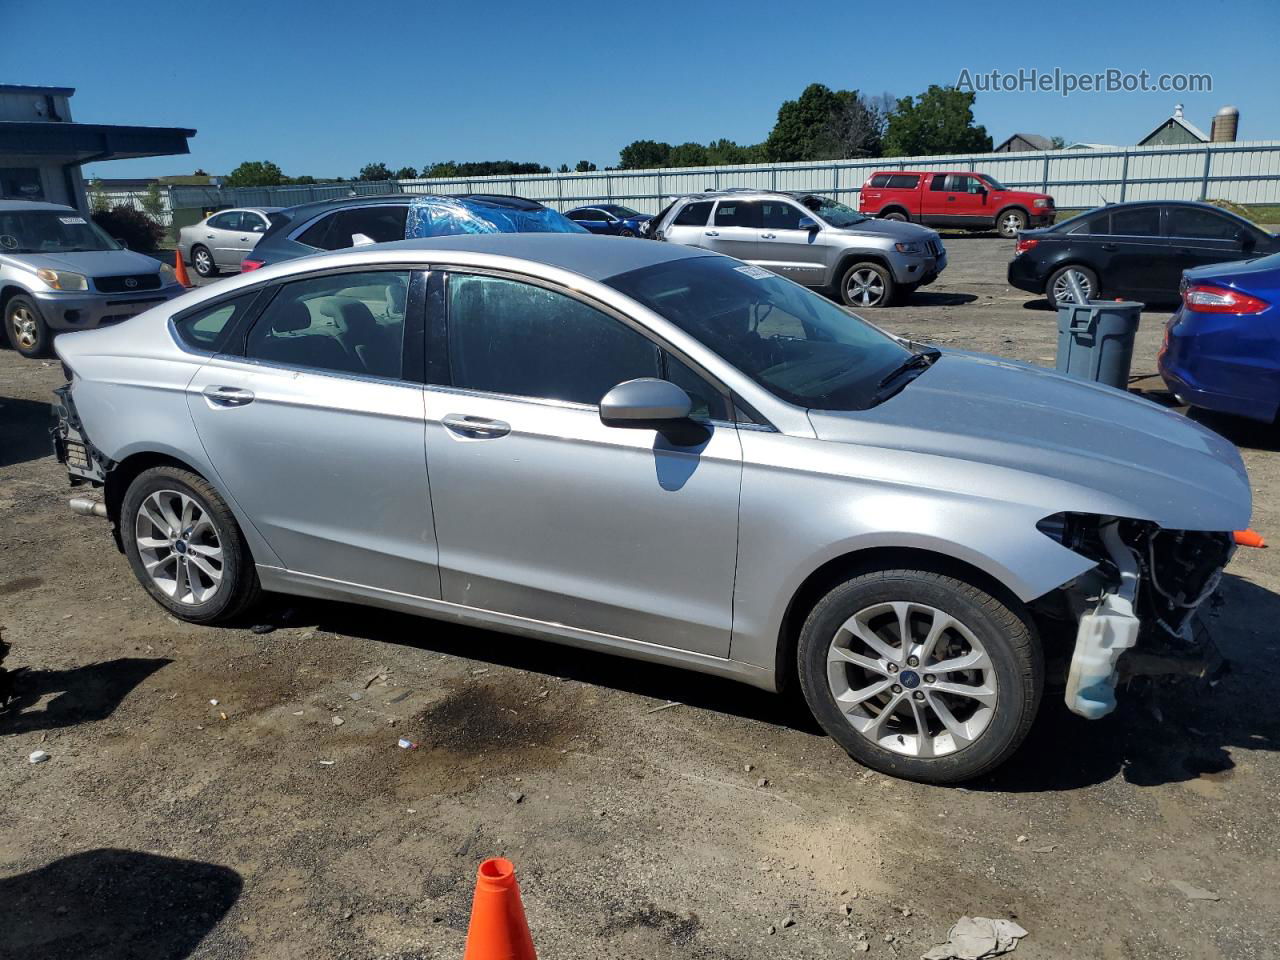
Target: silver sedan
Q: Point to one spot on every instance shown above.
(667, 454)
(222, 240)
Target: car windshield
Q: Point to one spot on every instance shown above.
(795, 343)
(620, 211)
(836, 214)
(993, 182)
(50, 231)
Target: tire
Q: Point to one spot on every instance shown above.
(206, 600)
(202, 261)
(624, 232)
(26, 328)
(980, 629)
(1057, 291)
(1010, 223)
(866, 285)
(896, 215)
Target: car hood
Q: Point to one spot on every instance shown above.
(1078, 446)
(638, 218)
(890, 229)
(96, 263)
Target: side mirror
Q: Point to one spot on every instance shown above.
(124, 244)
(1245, 239)
(807, 223)
(644, 403)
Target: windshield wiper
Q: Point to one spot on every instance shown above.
(917, 360)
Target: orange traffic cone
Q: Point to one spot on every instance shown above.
(1249, 538)
(498, 929)
(180, 269)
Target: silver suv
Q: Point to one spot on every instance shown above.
(811, 239)
(59, 271)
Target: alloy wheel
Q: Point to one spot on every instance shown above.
(912, 679)
(1062, 286)
(202, 262)
(865, 288)
(179, 546)
(25, 327)
(1011, 224)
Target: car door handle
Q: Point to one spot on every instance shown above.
(768, 236)
(949, 199)
(228, 396)
(712, 233)
(1109, 247)
(475, 428)
(208, 236)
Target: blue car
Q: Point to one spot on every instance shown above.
(1222, 348)
(610, 218)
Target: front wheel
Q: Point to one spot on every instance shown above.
(185, 546)
(202, 262)
(26, 327)
(866, 285)
(1011, 223)
(921, 675)
(625, 232)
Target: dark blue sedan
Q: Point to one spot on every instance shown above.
(610, 218)
(1222, 347)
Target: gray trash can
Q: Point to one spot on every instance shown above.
(1095, 340)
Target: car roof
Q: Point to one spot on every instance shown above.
(390, 199)
(595, 258)
(8, 205)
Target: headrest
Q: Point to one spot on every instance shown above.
(291, 317)
(357, 317)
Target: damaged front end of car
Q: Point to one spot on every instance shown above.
(1135, 614)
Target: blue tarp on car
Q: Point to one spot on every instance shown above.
(434, 216)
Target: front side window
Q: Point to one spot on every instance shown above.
(621, 212)
(693, 214)
(515, 338)
(737, 213)
(777, 215)
(51, 231)
(1201, 224)
(345, 323)
(339, 230)
(795, 343)
(203, 329)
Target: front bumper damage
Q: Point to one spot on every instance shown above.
(1137, 613)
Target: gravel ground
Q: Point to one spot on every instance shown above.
(726, 826)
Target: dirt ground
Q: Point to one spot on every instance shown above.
(726, 826)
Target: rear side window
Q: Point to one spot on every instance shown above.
(252, 223)
(1139, 222)
(903, 181)
(1201, 224)
(737, 213)
(939, 182)
(693, 214)
(516, 338)
(337, 231)
(204, 329)
(879, 180)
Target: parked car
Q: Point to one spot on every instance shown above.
(1221, 349)
(1136, 250)
(60, 271)
(222, 240)
(656, 451)
(610, 218)
(811, 239)
(975, 201)
(337, 224)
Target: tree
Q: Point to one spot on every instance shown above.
(854, 129)
(563, 168)
(98, 202)
(406, 173)
(1059, 143)
(255, 173)
(801, 127)
(152, 202)
(687, 155)
(643, 155)
(584, 166)
(940, 120)
(375, 171)
(724, 152)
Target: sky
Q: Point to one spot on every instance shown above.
(322, 87)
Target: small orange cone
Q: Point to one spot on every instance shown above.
(180, 269)
(1249, 538)
(498, 929)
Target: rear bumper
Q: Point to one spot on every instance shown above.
(1229, 364)
(84, 311)
(1025, 274)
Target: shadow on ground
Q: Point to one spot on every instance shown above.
(544, 657)
(932, 298)
(1170, 733)
(113, 905)
(24, 430)
(80, 695)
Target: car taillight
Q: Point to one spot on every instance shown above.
(247, 265)
(1206, 298)
(1025, 244)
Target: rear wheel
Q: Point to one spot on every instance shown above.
(897, 215)
(920, 675)
(866, 285)
(25, 325)
(1010, 223)
(202, 261)
(185, 546)
(1058, 289)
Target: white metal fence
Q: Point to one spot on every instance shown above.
(134, 198)
(1246, 172)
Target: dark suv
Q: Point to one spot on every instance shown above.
(338, 224)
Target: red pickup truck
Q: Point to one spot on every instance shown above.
(975, 201)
